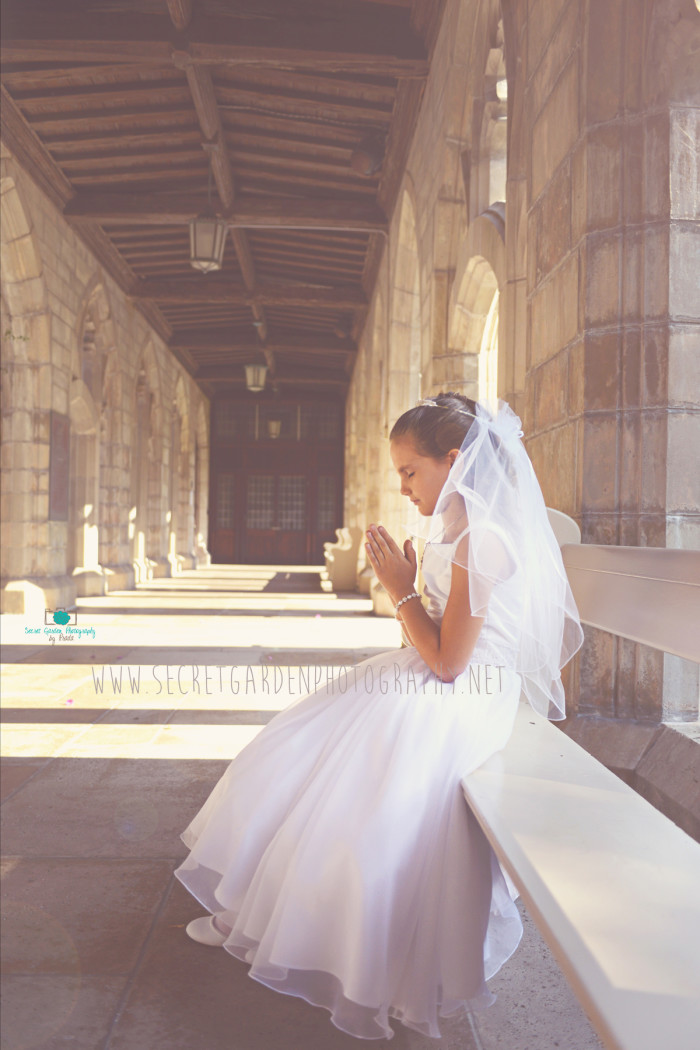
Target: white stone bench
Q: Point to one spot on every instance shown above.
(613, 884)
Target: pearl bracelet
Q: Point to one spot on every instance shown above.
(414, 594)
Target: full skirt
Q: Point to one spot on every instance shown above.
(340, 850)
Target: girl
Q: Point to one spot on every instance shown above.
(337, 854)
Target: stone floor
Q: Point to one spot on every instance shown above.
(110, 744)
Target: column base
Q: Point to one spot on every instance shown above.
(202, 557)
(159, 568)
(179, 563)
(34, 596)
(90, 583)
(119, 578)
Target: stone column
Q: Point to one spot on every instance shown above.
(635, 187)
(138, 516)
(612, 302)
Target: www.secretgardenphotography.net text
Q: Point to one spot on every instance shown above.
(297, 680)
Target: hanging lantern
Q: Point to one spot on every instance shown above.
(274, 428)
(207, 241)
(255, 377)
(368, 156)
(207, 237)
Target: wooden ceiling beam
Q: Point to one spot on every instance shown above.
(141, 180)
(378, 89)
(207, 109)
(319, 246)
(295, 104)
(324, 150)
(180, 13)
(294, 162)
(184, 321)
(310, 271)
(303, 131)
(279, 340)
(96, 121)
(286, 180)
(235, 375)
(99, 145)
(381, 39)
(318, 256)
(30, 79)
(275, 293)
(125, 160)
(426, 16)
(39, 163)
(409, 95)
(32, 153)
(249, 211)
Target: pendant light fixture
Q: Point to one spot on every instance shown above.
(255, 377)
(207, 238)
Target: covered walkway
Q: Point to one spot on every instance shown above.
(111, 743)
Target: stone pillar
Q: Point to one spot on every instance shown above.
(138, 514)
(612, 269)
(82, 552)
(201, 500)
(33, 567)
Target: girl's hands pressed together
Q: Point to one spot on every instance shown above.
(395, 569)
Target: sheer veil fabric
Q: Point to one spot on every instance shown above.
(491, 519)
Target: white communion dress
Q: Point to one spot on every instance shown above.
(340, 850)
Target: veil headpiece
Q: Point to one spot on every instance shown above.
(491, 519)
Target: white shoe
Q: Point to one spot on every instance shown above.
(205, 932)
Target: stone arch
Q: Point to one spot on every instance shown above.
(147, 526)
(490, 117)
(474, 309)
(473, 110)
(23, 285)
(470, 215)
(28, 398)
(96, 342)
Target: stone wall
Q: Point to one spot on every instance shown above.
(95, 493)
(593, 257)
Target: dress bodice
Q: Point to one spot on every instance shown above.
(497, 641)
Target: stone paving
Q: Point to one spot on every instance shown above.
(111, 742)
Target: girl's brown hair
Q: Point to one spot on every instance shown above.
(434, 431)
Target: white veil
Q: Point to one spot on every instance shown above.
(491, 519)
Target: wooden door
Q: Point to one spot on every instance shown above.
(275, 501)
(277, 518)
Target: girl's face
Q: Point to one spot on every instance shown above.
(422, 477)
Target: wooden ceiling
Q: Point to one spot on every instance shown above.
(121, 108)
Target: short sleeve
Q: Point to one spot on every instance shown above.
(489, 552)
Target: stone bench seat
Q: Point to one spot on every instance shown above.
(612, 883)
